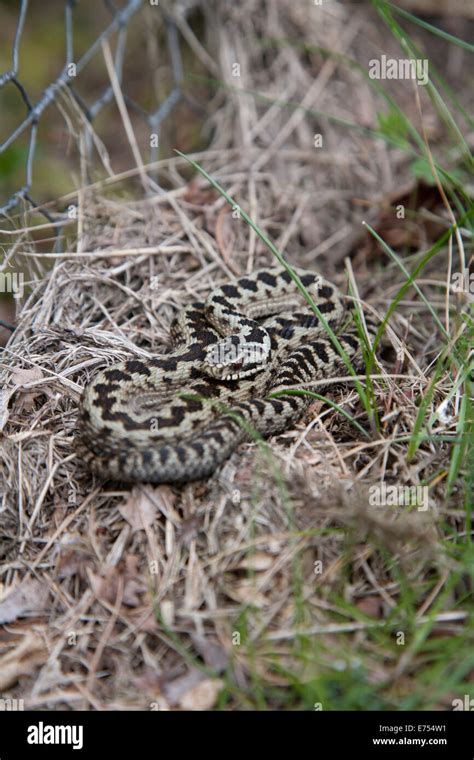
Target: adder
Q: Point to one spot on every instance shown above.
(179, 416)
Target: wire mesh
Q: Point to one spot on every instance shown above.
(68, 76)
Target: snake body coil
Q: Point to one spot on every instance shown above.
(177, 417)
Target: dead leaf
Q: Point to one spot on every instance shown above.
(193, 690)
(175, 690)
(106, 586)
(22, 376)
(148, 682)
(372, 606)
(203, 696)
(144, 619)
(75, 555)
(257, 561)
(246, 593)
(139, 510)
(28, 598)
(132, 592)
(27, 397)
(22, 660)
(189, 530)
(50, 677)
(197, 195)
(414, 199)
(213, 654)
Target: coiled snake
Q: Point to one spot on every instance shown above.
(177, 417)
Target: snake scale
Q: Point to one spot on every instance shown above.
(177, 417)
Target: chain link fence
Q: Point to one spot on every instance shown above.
(118, 28)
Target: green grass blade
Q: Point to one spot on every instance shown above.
(286, 266)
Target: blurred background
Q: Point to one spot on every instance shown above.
(168, 58)
(194, 75)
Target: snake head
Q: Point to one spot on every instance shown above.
(233, 359)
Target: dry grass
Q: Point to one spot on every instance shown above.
(166, 597)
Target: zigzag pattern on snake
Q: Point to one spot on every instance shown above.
(251, 337)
